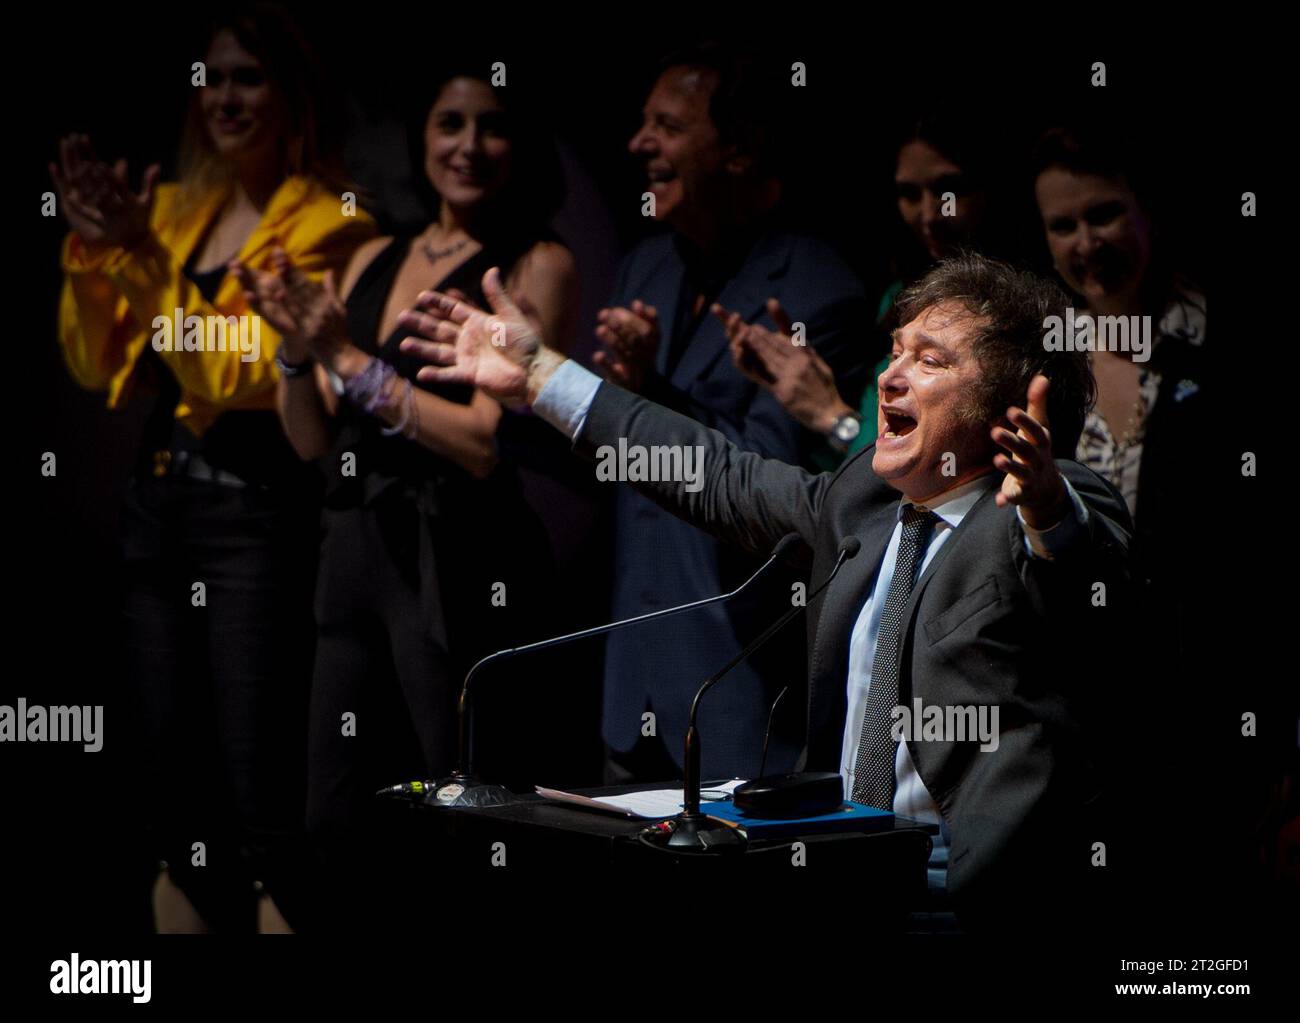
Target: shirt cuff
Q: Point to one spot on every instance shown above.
(566, 398)
(1049, 544)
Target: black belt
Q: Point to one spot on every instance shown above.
(192, 465)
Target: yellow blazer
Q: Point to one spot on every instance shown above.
(111, 297)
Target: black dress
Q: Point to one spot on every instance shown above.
(423, 569)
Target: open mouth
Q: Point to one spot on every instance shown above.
(898, 424)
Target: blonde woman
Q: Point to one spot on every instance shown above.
(219, 529)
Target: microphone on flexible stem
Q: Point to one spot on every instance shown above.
(693, 830)
(462, 788)
(767, 735)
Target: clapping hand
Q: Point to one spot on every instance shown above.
(97, 199)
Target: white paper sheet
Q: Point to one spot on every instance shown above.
(652, 805)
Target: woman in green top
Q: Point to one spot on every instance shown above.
(942, 188)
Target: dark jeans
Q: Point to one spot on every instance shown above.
(223, 685)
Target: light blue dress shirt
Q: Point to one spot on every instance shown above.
(911, 797)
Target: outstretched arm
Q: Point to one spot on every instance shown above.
(734, 494)
(312, 318)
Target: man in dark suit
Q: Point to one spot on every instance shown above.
(982, 558)
(711, 179)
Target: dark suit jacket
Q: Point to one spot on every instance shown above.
(1180, 427)
(987, 625)
(660, 561)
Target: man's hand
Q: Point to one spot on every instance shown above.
(97, 200)
(631, 340)
(500, 353)
(1033, 481)
(796, 375)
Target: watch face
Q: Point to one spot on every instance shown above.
(847, 428)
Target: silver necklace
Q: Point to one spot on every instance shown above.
(434, 255)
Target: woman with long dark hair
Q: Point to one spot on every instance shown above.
(401, 611)
(218, 530)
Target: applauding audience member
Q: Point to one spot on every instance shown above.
(219, 526)
(948, 198)
(411, 591)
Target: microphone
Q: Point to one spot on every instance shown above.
(462, 788)
(694, 830)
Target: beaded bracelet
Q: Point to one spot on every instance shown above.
(366, 389)
(408, 404)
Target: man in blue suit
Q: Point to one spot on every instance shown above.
(710, 177)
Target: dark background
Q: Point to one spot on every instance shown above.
(1215, 118)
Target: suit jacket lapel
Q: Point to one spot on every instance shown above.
(945, 552)
(841, 606)
(663, 291)
(746, 293)
(844, 598)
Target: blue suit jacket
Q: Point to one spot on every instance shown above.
(660, 560)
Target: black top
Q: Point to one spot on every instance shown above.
(450, 534)
(247, 443)
(382, 461)
(208, 281)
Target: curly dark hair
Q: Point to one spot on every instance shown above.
(1011, 309)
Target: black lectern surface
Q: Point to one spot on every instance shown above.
(537, 833)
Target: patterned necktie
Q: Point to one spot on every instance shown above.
(873, 770)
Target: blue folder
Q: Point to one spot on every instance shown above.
(849, 817)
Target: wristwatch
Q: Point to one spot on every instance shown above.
(289, 370)
(844, 431)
